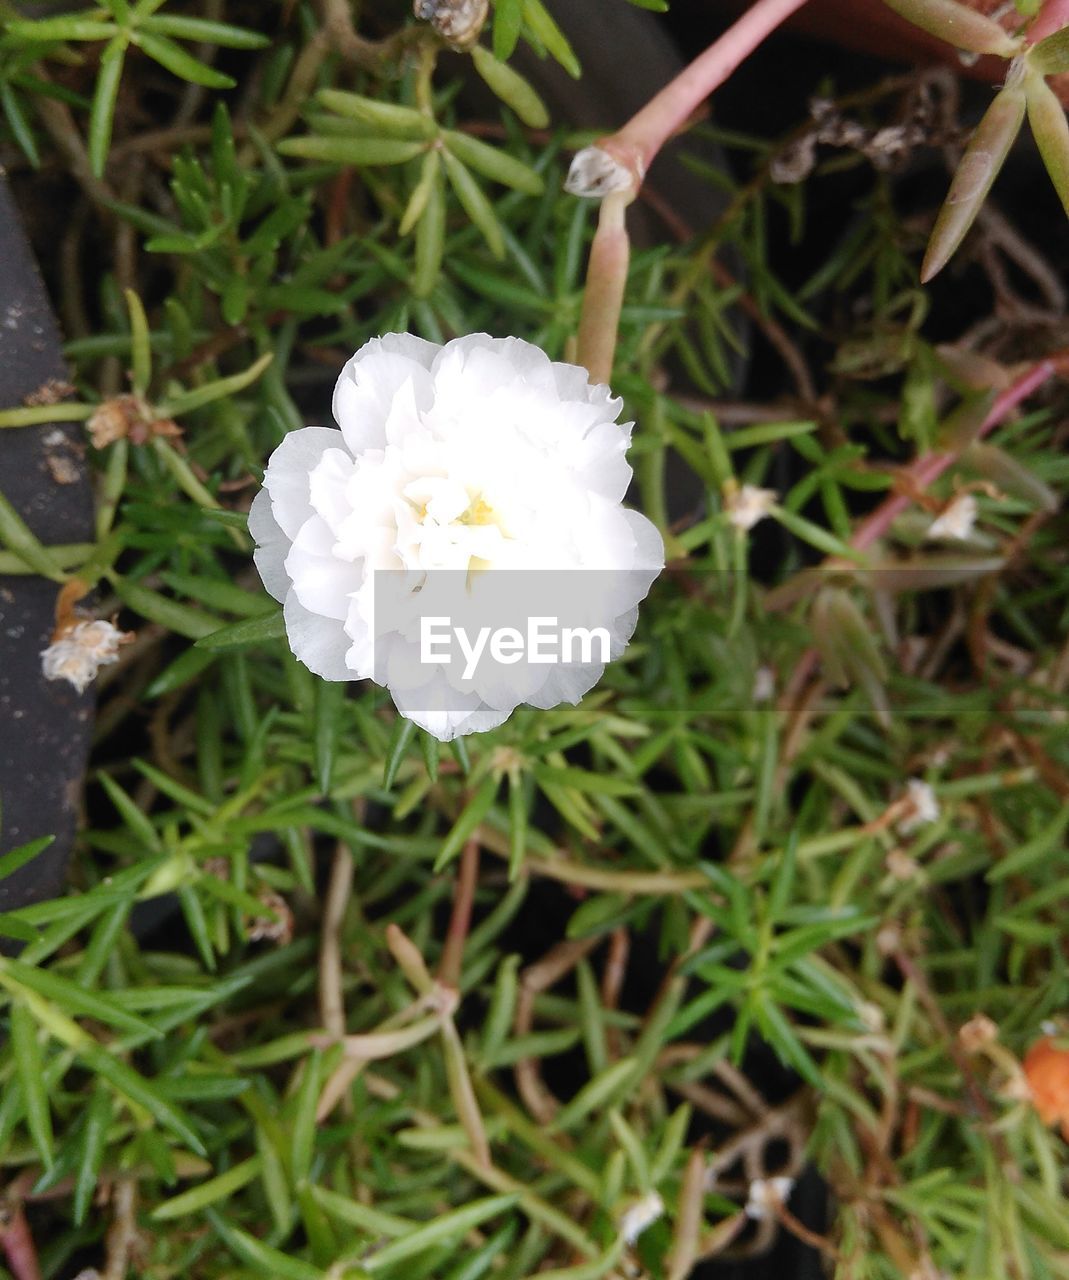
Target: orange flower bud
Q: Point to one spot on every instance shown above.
(1046, 1069)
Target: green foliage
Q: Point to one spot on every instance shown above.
(724, 819)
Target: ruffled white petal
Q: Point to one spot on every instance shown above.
(370, 381)
(287, 478)
(272, 546)
(320, 643)
(323, 582)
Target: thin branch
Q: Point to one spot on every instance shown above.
(331, 996)
(460, 921)
(615, 168)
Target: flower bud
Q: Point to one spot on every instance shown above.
(594, 173)
(458, 22)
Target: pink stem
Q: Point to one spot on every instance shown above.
(603, 297)
(923, 472)
(1052, 17)
(460, 921)
(17, 1244)
(927, 469)
(635, 146)
(638, 142)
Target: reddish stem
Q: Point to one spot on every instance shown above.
(638, 142)
(927, 469)
(604, 294)
(923, 472)
(635, 146)
(17, 1244)
(460, 921)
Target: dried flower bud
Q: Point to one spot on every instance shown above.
(276, 927)
(747, 505)
(112, 420)
(51, 391)
(78, 651)
(764, 684)
(594, 173)
(795, 162)
(642, 1214)
(955, 522)
(900, 866)
(888, 938)
(872, 1017)
(128, 417)
(917, 807)
(977, 1033)
(766, 1194)
(458, 22)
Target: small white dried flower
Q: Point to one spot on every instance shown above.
(642, 1214)
(872, 1016)
(276, 927)
(977, 1033)
(900, 865)
(594, 173)
(888, 938)
(457, 21)
(918, 807)
(955, 522)
(78, 652)
(765, 1194)
(749, 504)
(764, 684)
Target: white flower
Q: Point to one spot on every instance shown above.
(749, 504)
(955, 522)
(918, 806)
(81, 650)
(765, 1194)
(459, 473)
(642, 1214)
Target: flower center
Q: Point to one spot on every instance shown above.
(452, 525)
(478, 511)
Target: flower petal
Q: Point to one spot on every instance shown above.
(365, 392)
(288, 472)
(320, 643)
(272, 546)
(322, 581)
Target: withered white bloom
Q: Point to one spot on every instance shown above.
(594, 173)
(918, 806)
(642, 1214)
(764, 684)
(749, 504)
(955, 522)
(478, 456)
(80, 651)
(765, 1194)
